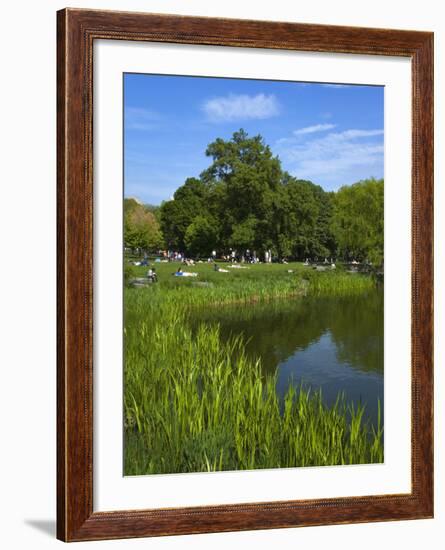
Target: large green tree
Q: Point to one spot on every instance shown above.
(244, 178)
(141, 229)
(244, 200)
(358, 221)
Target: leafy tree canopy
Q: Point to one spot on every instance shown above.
(141, 228)
(358, 221)
(245, 200)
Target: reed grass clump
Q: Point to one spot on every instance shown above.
(338, 284)
(194, 403)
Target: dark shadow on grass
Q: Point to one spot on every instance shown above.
(47, 526)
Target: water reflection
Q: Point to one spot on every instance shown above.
(335, 344)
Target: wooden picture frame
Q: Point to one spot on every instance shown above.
(77, 31)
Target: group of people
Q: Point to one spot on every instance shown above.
(233, 256)
(326, 262)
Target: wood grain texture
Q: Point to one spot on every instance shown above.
(76, 32)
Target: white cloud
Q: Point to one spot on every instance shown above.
(241, 107)
(334, 154)
(336, 85)
(137, 118)
(354, 134)
(313, 129)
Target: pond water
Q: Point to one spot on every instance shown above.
(332, 343)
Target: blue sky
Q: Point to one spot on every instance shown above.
(329, 134)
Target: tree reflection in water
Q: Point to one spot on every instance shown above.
(332, 343)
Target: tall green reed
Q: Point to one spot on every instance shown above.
(195, 403)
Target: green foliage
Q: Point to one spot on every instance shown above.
(243, 233)
(200, 237)
(141, 228)
(189, 201)
(358, 221)
(252, 203)
(155, 210)
(305, 221)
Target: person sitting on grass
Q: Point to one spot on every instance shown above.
(151, 275)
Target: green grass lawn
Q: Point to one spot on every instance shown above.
(206, 271)
(255, 282)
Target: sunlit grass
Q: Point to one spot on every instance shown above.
(194, 403)
(250, 284)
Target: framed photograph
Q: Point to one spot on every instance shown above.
(245, 275)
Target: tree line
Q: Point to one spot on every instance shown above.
(245, 201)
